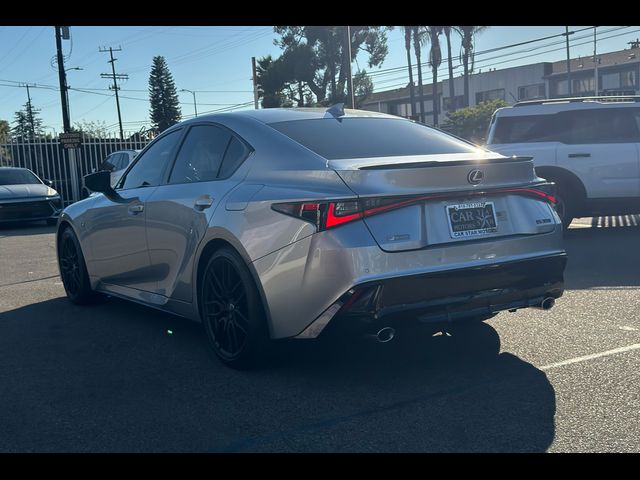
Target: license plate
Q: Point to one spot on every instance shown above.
(472, 219)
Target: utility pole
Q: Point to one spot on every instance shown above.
(255, 83)
(349, 74)
(30, 111)
(595, 60)
(569, 86)
(195, 107)
(115, 77)
(64, 98)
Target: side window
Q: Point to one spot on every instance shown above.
(614, 125)
(237, 152)
(108, 164)
(149, 167)
(526, 128)
(125, 160)
(120, 163)
(201, 155)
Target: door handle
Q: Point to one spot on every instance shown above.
(579, 155)
(135, 209)
(203, 202)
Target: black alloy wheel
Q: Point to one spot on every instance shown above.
(232, 312)
(73, 269)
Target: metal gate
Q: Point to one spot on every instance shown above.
(46, 157)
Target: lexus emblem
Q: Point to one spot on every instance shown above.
(475, 177)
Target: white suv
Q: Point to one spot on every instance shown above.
(590, 147)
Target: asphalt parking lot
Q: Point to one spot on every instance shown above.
(112, 377)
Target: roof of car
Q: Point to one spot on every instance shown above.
(274, 115)
(555, 105)
(13, 168)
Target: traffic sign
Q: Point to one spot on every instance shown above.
(71, 139)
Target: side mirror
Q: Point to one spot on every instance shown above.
(99, 182)
(48, 182)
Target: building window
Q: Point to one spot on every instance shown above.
(497, 94)
(450, 106)
(531, 92)
(618, 80)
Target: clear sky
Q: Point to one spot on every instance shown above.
(215, 61)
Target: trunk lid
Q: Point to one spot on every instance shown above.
(451, 199)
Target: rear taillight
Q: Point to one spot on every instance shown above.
(329, 214)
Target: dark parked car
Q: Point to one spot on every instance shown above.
(24, 197)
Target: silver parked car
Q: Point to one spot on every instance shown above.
(24, 197)
(286, 223)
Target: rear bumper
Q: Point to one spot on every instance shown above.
(445, 296)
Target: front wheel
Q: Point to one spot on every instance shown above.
(73, 269)
(232, 311)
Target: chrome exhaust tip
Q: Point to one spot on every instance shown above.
(384, 335)
(547, 303)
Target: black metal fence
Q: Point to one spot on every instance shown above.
(47, 158)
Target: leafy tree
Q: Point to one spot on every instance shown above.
(165, 107)
(472, 123)
(97, 129)
(5, 136)
(362, 87)
(27, 123)
(313, 67)
(467, 55)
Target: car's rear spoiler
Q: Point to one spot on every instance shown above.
(448, 163)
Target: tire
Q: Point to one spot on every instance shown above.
(565, 205)
(232, 312)
(52, 221)
(73, 269)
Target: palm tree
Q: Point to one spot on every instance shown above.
(466, 54)
(435, 60)
(407, 46)
(452, 92)
(418, 38)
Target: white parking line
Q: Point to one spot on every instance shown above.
(591, 357)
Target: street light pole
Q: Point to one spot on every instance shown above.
(195, 106)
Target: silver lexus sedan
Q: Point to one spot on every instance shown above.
(290, 223)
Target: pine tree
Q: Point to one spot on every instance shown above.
(27, 123)
(165, 108)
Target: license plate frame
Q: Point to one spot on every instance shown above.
(475, 219)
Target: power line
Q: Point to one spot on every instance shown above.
(399, 85)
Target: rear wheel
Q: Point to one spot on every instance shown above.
(232, 311)
(565, 203)
(73, 269)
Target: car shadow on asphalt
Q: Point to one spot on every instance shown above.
(611, 251)
(25, 228)
(121, 377)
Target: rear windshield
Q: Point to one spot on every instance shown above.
(370, 137)
(17, 177)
